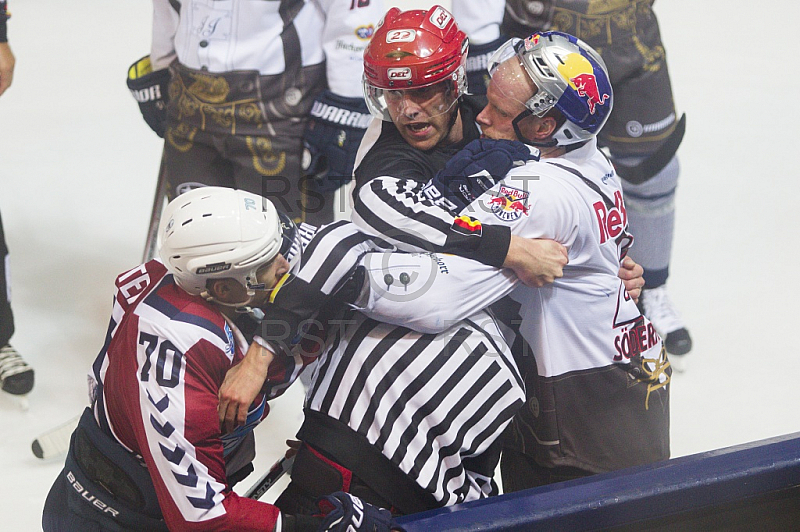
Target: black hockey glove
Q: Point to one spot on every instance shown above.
(331, 139)
(474, 170)
(478, 65)
(150, 90)
(343, 512)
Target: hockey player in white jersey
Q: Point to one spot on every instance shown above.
(642, 135)
(262, 96)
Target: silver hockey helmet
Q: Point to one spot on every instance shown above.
(569, 75)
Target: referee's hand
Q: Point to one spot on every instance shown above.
(537, 262)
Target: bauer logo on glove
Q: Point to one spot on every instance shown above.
(149, 89)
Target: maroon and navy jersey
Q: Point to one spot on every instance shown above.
(155, 387)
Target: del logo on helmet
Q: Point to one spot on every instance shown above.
(399, 73)
(440, 18)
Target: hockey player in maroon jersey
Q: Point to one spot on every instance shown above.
(149, 454)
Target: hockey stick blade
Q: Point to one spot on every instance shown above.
(54, 442)
(278, 469)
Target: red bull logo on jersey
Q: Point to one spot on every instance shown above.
(580, 73)
(510, 204)
(612, 222)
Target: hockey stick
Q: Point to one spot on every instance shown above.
(155, 214)
(278, 469)
(54, 442)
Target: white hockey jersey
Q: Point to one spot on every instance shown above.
(228, 35)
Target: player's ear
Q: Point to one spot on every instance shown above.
(543, 128)
(538, 129)
(219, 289)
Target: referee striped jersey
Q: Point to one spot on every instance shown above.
(434, 405)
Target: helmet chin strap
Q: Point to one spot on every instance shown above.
(453, 117)
(522, 138)
(243, 304)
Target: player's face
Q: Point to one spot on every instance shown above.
(232, 292)
(506, 94)
(423, 116)
(269, 275)
(496, 119)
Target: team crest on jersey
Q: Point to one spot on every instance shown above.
(510, 204)
(365, 32)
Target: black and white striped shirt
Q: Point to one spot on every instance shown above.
(433, 404)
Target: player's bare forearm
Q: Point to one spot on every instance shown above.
(536, 262)
(241, 385)
(632, 274)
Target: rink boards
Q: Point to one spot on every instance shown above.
(754, 486)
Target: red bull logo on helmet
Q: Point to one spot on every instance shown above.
(510, 204)
(531, 41)
(578, 70)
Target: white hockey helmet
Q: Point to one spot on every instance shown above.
(216, 232)
(570, 76)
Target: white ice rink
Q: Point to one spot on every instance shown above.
(78, 169)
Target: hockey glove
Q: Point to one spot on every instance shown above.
(343, 512)
(478, 65)
(474, 170)
(150, 90)
(331, 139)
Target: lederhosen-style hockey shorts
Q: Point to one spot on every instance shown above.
(243, 130)
(627, 36)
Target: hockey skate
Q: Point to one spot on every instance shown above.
(15, 374)
(657, 306)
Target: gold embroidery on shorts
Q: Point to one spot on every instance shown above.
(654, 376)
(265, 161)
(181, 137)
(206, 98)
